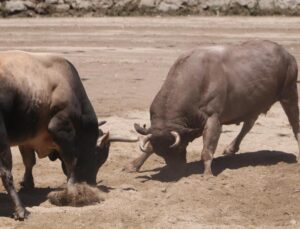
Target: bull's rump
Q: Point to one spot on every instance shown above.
(257, 73)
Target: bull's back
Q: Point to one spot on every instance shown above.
(235, 81)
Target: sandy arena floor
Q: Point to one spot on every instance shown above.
(123, 62)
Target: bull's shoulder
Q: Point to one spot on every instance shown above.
(48, 59)
(204, 52)
(199, 58)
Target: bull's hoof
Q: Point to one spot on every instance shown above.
(130, 168)
(27, 184)
(207, 175)
(298, 159)
(20, 214)
(230, 151)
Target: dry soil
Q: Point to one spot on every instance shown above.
(123, 62)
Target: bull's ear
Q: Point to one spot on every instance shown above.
(141, 130)
(195, 133)
(100, 122)
(103, 140)
(191, 134)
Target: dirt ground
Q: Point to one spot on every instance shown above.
(123, 62)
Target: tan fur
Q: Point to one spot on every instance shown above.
(76, 195)
(43, 144)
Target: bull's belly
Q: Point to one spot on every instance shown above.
(29, 127)
(42, 144)
(237, 113)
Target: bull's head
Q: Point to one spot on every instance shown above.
(103, 144)
(88, 166)
(169, 144)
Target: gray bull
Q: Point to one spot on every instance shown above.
(212, 86)
(44, 108)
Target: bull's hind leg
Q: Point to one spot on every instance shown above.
(28, 157)
(211, 134)
(5, 173)
(234, 146)
(290, 106)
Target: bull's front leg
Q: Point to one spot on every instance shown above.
(136, 164)
(63, 133)
(28, 157)
(53, 156)
(211, 136)
(6, 176)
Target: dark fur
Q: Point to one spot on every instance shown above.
(212, 86)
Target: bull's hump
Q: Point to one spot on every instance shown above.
(24, 53)
(28, 71)
(217, 49)
(45, 59)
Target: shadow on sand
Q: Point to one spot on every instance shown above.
(29, 198)
(33, 197)
(259, 158)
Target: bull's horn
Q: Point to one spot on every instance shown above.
(177, 139)
(140, 130)
(145, 144)
(103, 139)
(117, 138)
(100, 123)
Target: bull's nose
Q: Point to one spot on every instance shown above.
(173, 172)
(175, 161)
(176, 166)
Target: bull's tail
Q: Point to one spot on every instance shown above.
(289, 100)
(289, 89)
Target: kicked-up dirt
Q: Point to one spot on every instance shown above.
(123, 62)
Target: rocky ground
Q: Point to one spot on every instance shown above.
(123, 62)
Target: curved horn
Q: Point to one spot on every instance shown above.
(117, 138)
(145, 144)
(103, 139)
(141, 130)
(100, 123)
(177, 139)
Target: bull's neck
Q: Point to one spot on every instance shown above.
(169, 123)
(191, 121)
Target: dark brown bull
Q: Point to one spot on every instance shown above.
(45, 109)
(212, 86)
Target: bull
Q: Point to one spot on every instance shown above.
(211, 86)
(45, 109)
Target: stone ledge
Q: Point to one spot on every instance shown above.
(31, 8)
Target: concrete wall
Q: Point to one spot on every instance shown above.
(31, 8)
